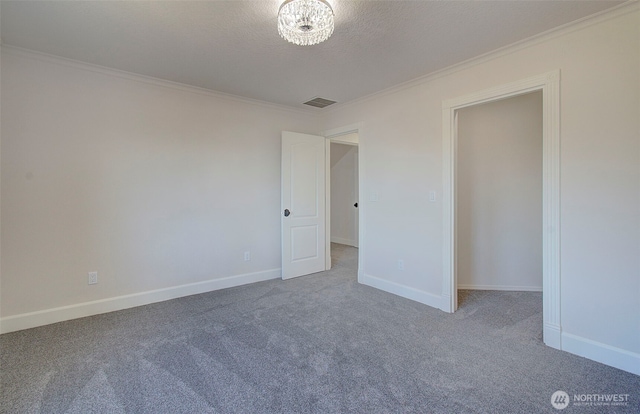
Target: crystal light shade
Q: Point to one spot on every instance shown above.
(305, 22)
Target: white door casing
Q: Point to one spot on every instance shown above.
(549, 84)
(356, 199)
(303, 208)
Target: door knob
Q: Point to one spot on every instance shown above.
(286, 212)
(356, 205)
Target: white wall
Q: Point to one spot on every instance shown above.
(153, 186)
(499, 195)
(401, 152)
(344, 193)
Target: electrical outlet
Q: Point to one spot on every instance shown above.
(247, 256)
(93, 278)
(400, 264)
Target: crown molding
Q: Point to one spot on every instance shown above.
(617, 11)
(149, 80)
(620, 10)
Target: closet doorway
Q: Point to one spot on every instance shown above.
(549, 84)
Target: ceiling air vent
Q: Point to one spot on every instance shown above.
(319, 102)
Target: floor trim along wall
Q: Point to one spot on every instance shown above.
(401, 290)
(605, 354)
(80, 310)
(552, 335)
(501, 287)
(340, 240)
(596, 351)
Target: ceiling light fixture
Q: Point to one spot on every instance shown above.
(305, 22)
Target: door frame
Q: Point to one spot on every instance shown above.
(549, 84)
(332, 135)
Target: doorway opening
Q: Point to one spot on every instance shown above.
(499, 209)
(343, 198)
(549, 85)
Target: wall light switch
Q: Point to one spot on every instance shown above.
(93, 278)
(432, 196)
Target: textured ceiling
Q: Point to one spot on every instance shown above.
(234, 47)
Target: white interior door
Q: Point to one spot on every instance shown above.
(303, 204)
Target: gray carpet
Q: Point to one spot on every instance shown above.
(320, 343)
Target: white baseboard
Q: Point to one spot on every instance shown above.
(502, 287)
(552, 336)
(445, 303)
(599, 352)
(80, 310)
(340, 240)
(421, 296)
